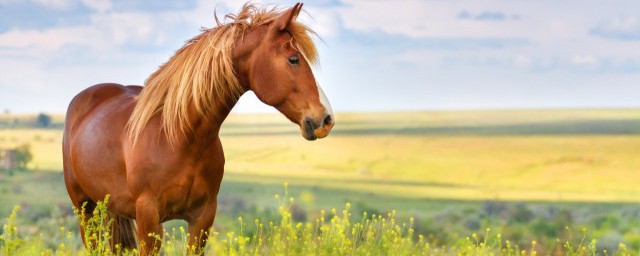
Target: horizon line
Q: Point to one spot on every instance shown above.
(399, 110)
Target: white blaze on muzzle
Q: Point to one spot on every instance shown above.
(324, 101)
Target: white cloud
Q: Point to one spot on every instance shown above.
(622, 28)
(98, 5)
(522, 61)
(324, 21)
(105, 31)
(584, 60)
(553, 35)
(430, 19)
(36, 42)
(54, 4)
(49, 4)
(130, 28)
(625, 23)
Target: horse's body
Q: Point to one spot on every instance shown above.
(156, 151)
(150, 180)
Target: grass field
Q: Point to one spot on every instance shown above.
(510, 155)
(526, 173)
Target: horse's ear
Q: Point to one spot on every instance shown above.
(283, 21)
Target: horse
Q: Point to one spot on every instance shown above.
(156, 151)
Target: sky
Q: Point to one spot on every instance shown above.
(374, 55)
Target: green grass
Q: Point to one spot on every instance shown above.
(335, 232)
(445, 222)
(524, 174)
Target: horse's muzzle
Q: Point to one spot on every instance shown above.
(317, 129)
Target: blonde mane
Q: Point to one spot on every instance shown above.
(199, 77)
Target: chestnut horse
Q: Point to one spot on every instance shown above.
(155, 149)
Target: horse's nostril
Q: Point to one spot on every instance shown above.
(327, 120)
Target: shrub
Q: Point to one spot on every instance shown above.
(43, 120)
(23, 156)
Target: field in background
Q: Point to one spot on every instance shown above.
(525, 174)
(549, 155)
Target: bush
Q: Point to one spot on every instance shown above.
(23, 156)
(43, 120)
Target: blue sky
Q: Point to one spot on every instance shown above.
(376, 55)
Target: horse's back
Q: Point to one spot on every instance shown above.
(90, 98)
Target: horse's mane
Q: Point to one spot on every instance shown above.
(200, 77)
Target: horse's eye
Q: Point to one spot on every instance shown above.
(294, 60)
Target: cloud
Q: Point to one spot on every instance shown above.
(620, 28)
(584, 60)
(98, 5)
(324, 21)
(491, 16)
(425, 19)
(131, 28)
(100, 32)
(36, 42)
(50, 4)
(55, 4)
(522, 61)
(486, 16)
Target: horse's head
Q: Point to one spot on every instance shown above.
(272, 60)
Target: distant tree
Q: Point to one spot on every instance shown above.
(43, 120)
(23, 156)
(7, 111)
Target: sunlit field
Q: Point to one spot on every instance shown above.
(529, 175)
(586, 155)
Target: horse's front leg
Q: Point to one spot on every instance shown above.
(199, 225)
(149, 226)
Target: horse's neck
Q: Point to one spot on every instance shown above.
(207, 127)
